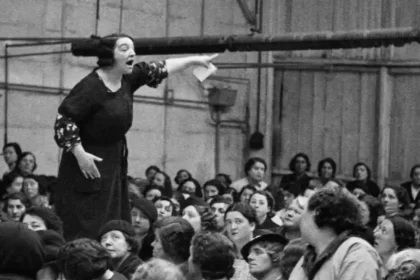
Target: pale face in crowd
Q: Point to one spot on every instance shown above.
(15, 209)
(361, 173)
(246, 195)
(294, 213)
(159, 180)
(307, 226)
(27, 164)
(164, 208)
(30, 187)
(390, 201)
(16, 186)
(288, 198)
(300, 165)
(152, 194)
(124, 55)
(257, 171)
(182, 176)
(157, 246)
(191, 214)
(219, 209)
(326, 171)
(259, 261)
(358, 193)
(260, 204)
(139, 221)
(210, 191)
(238, 227)
(189, 187)
(385, 238)
(10, 155)
(115, 243)
(364, 210)
(34, 222)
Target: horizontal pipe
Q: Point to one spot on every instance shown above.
(35, 54)
(38, 44)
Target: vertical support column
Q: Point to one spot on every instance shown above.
(6, 91)
(385, 106)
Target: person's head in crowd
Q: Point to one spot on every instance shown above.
(212, 256)
(190, 187)
(11, 153)
(255, 169)
(152, 192)
(133, 190)
(327, 169)
(13, 182)
(263, 203)
(218, 206)
(213, 188)
(300, 164)
(395, 200)
(51, 241)
(31, 187)
(161, 179)
(371, 208)
(240, 222)
(263, 254)
(15, 205)
(361, 172)
(290, 192)
(26, 163)
(198, 213)
(291, 256)
(173, 237)
(143, 216)
(224, 179)
(158, 269)
(178, 200)
(293, 217)
(308, 191)
(150, 172)
(415, 175)
(42, 218)
(21, 251)
(246, 193)
(393, 235)
(231, 195)
(118, 237)
(165, 207)
(330, 212)
(401, 265)
(84, 259)
(181, 176)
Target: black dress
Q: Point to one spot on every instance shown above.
(98, 119)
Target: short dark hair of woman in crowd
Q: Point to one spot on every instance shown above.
(151, 171)
(14, 145)
(83, 259)
(179, 178)
(270, 201)
(369, 172)
(291, 256)
(209, 193)
(184, 188)
(331, 162)
(414, 169)
(402, 197)
(292, 162)
(166, 184)
(226, 179)
(19, 161)
(42, 190)
(336, 209)
(212, 256)
(11, 153)
(250, 163)
(233, 193)
(16, 196)
(51, 220)
(246, 193)
(375, 209)
(245, 209)
(8, 180)
(158, 269)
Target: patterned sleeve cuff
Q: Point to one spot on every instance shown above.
(157, 73)
(66, 133)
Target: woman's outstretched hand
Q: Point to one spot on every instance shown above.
(205, 60)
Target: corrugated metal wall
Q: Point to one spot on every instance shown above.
(334, 111)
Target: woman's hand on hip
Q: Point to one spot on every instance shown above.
(86, 162)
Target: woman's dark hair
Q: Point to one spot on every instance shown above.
(9, 178)
(401, 194)
(15, 146)
(270, 200)
(292, 162)
(133, 243)
(232, 192)
(291, 256)
(220, 187)
(367, 169)
(109, 42)
(335, 209)
(14, 196)
(51, 219)
(197, 193)
(414, 169)
(375, 209)
(83, 259)
(247, 187)
(152, 167)
(41, 189)
(169, 200)
(245, 209)
(293, 188)
(331, 162)
(250, 163)
(214, 255)
(167, 183)
(219, 199)
(176, 179)
(21, 157)
(226, 177)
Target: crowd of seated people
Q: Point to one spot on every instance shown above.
(306, 227)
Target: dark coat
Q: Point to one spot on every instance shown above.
(407, 187)
(129, 266)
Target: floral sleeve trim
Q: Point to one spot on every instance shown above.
(157, 73)
(66, 133)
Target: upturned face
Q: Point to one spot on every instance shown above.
(124, 55)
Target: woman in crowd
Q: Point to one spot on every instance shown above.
(190, 187)
(213, 188)
(11, 153)
(91, 127)
(198, 213)
(263, 254)
(413, 186)
(395, 201)
(218, 206)
(158, 269)
(231, 195)
(118, 238)
(263, 203)
(15, 205)
(181, 176)
(12, 182)
(163, 181)
(393, 235)
(41, 218)
(224, 179)
(212, 257)
(327, 169)
(289, 192)
(35, 192)
(150, 172)
(143, 217)
(165, 207)
(153, 192)
(291, 225)
(363, 184)
(26, 164)
(371, 209)
(299, 165)
(255, 169)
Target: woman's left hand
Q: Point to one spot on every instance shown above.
(204, 60)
